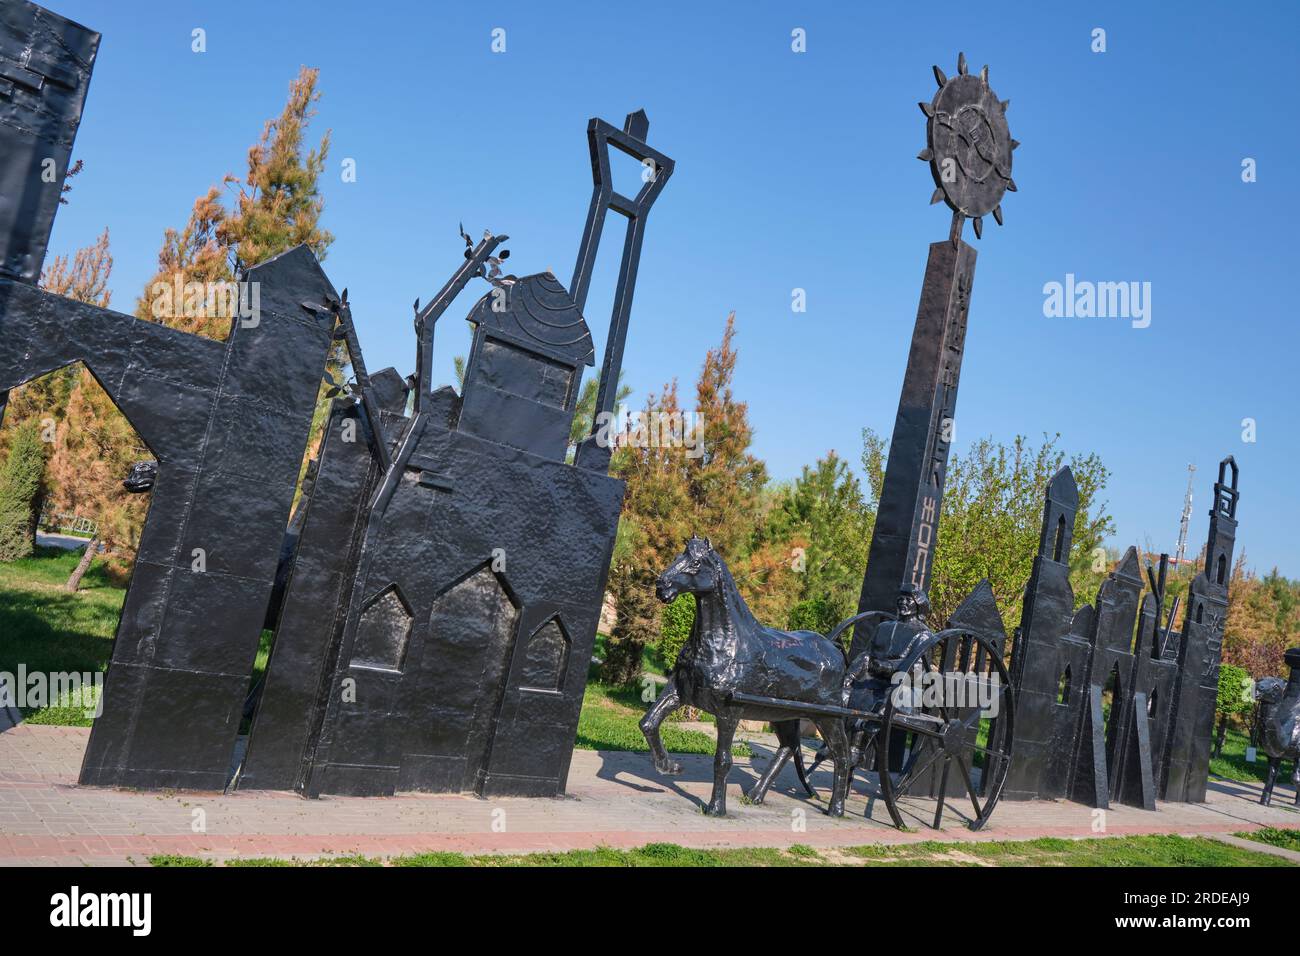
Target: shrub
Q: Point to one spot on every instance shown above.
(675, 623)
(814, 614)
(20, 488)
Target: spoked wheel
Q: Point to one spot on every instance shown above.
(953, 716)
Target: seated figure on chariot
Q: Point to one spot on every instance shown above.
(869, 675)
(869, 678)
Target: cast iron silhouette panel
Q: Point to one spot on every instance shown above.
(467, 560)
(228, 437)
(1156, 742)
(45, 66)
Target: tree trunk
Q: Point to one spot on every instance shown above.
(83, 566)
(1220, 734)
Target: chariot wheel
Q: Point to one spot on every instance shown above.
(947, 728)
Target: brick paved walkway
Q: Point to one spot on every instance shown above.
(615, 799)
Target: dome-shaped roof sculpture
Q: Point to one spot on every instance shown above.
(538, 309)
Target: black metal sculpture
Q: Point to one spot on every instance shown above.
(735, 668)
(1278, 724)
(445, 573)
(437, 591)
(968, 147)
(731, 663)
(1153, 742)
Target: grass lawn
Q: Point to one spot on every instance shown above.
(1232, 763)
(1286, 839)
(609, 722)
(1048, 851)
(48, 629)
(651, 662)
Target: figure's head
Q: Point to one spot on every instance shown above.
(913, 604)
(695, 571)
(1269, 690)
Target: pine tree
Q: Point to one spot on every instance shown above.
(20, 491)
(277, 206)
(726, 482)
(654, 526)
(672, 494)
(45, 399)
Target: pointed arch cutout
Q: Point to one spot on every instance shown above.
(1059, 548)
(1063, 687)
(384, 631)
(546, 658)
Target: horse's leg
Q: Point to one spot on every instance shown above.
(799, 768)
(1269, 779)
(837, 738)
(722, 765)
(821, 756)
(669, 700)
(783, 753)
(1295, 780)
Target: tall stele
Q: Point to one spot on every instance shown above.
(969, 146)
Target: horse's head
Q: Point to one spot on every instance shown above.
(694, 572)
(1269, 690)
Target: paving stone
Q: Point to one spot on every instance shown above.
(614, 799)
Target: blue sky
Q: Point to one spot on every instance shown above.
(793, 170)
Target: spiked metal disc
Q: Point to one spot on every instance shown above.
(968, 144)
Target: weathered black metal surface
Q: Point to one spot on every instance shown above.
(316, 597)
(1188, 763)
(228, 422)
(1109, 710)
(446, 586)
(45, 66)
(737, 669)
(907, 517)
(1277, 725)
(1046, 674)
(968, 146)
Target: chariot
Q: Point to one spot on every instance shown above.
(922, 715)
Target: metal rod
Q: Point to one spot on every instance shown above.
(427, 317)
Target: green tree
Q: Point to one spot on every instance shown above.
(83, 277)
(20, 492)
(992, 518)
(676, 621)
(654, 523)
(715, 489)
(828, 522)
(1232, 700)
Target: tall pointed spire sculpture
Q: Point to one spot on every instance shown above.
(968, 147)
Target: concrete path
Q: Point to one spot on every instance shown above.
(68, 542)
(614, 799)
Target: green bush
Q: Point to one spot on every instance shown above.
(675, 623)
(814, 614)
(20, 487)
(1233, 698)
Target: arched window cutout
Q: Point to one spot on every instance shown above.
(383, 631)
(1222, 571)
(1110, 695)
(1200, 613)
(1063, 689)
(1060, 539)
(546, 659)
(1151, 702)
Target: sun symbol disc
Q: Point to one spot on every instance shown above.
(969, 145)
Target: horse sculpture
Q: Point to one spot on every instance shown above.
(1277, 728)
(730, 653)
